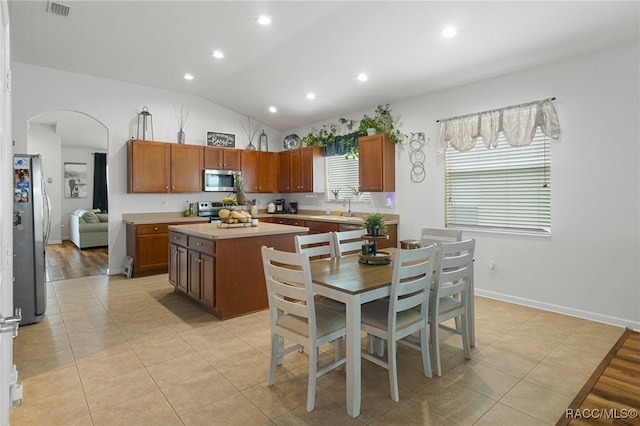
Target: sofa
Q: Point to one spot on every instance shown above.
(89, 228)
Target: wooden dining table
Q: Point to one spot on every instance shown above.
(348, 281)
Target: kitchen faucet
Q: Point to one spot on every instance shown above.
(349, 212)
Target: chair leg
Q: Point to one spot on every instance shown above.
(466, 347)
(311, 386)
(424, 349)
(435, 347)
(276, 342)
(393, 370)
(380, 345)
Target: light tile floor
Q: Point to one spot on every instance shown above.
(116, 351)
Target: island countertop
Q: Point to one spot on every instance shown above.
(213, 232)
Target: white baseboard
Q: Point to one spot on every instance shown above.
(54, 242)
(592, 316)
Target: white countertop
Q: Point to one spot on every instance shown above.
(213, 232)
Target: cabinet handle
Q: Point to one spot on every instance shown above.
(155, 228)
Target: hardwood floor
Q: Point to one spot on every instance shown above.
(612, 394)
(65, 261)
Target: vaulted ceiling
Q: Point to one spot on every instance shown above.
(316, 46)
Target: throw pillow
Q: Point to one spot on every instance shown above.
(104, 217)
(90, 217)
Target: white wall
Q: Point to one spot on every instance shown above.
(115, 104)
(589, 266)
(44, 141)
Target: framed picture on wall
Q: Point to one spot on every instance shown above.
(75, 180)
(223, 140)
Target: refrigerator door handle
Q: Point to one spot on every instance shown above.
(47, 218)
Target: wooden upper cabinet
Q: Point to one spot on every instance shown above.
(221, 158)
(249, 168)
(377, 164)
(259, 171)
(148, 167)
(186, 168)
(284, 171)
(306, 170)
(268, 172)
(163, 167)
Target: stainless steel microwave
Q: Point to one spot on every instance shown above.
(220, 180)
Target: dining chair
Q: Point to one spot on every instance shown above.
(319, 246)
(450, 295)
(434, 235)
(348, 242)
(295, 316)
(397, 317)
(316, 245)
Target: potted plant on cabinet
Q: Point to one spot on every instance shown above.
(382, 122)
(374, 223)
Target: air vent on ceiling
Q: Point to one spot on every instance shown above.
(58, 9)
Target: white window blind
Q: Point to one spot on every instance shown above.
(342, 173)
(507, 187)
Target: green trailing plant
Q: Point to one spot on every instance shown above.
(374, 221)
(355, 191)
(382, 122)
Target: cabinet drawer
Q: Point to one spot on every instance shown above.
(202, 245)
(155, 228)
(320, 227)
(179, 239)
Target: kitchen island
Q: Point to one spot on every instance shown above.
(221, 267)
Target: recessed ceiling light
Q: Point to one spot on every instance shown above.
(362, 77)
(273, 109)
(263, 20)
(218, 54)
(311, 96)
(188, 77)
(449, 32)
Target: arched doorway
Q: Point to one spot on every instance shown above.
(68, 142)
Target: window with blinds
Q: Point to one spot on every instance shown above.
(342, 173)
(504, 188)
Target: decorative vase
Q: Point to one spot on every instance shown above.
(371, 131)
(375, 232)
(181, 136)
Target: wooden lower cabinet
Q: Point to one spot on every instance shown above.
(147, 244)
(225, 276)
(178, 262)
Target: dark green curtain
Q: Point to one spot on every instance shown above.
(341, 145)
(100, 199)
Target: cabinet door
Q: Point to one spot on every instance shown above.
(213, 158)
(186, 168)
(306, 169)
(148, 166)
(221, 158)
(267, 172)
(231, 159)
(249, 167)
(150, 251)
(207, 280)
(284, 171)
(296, 171)
(377, 164)
(178, 267)
(193, 276)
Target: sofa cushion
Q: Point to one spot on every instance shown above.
(90, 217)
(104, 217)
(85, 228)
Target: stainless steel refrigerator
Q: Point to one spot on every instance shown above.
(31, 228)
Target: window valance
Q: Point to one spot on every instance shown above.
(517, 123)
